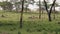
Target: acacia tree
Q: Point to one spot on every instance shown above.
(26, 5)
(17, 5)
(54, 12)
(6, 5)
(21, 17)
(49, 12)
(32, 1)
(56, 4)
(39, 9)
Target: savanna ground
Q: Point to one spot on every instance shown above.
(9, 24)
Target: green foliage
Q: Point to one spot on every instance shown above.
(6, 5)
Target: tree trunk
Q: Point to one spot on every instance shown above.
(49, 12)
(54, 12)
(26, 8)
(39, 9)
(21, 18)
(49, 16)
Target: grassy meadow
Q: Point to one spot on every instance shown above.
(9, 24)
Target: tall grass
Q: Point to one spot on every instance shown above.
(10, 24)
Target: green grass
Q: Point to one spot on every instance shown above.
(10, 24)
